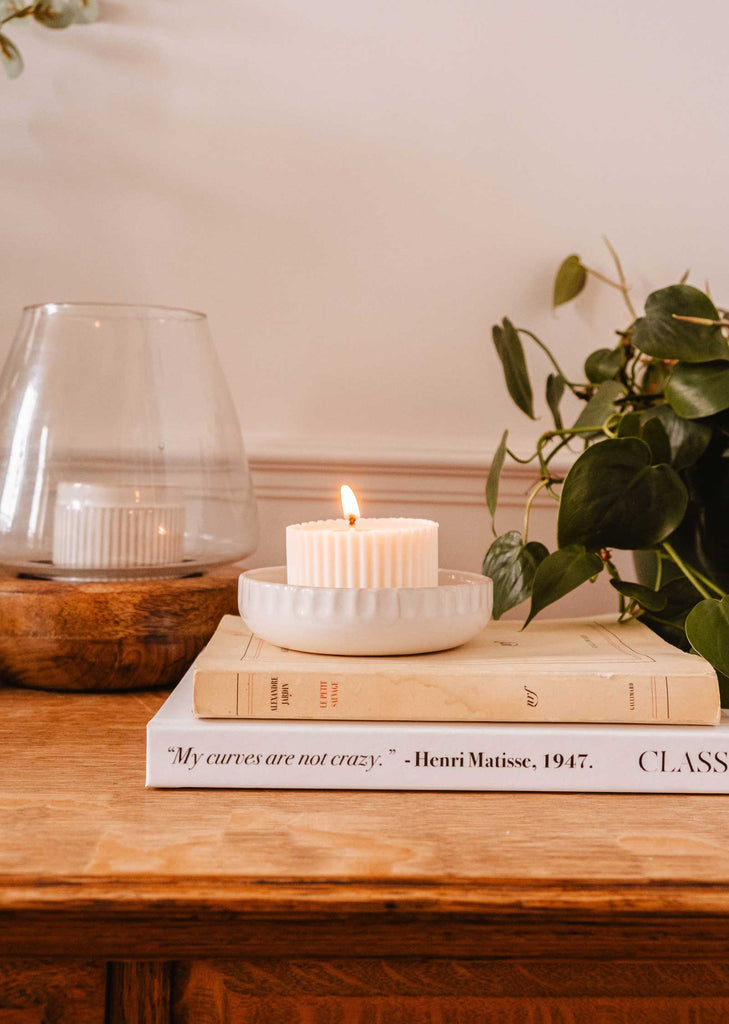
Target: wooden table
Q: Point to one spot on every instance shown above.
(143, 906)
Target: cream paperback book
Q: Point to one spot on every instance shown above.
(558, 670)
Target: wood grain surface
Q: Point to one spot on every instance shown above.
(38, 992)
(405, 991)
(58, 635)
(88, 857)
(138, 992)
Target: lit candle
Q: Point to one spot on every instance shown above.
(117, 527)
(359, 552)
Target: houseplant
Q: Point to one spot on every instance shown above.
(651, 473)
(51, 13)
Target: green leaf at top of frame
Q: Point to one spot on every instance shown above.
(10, 57)
(511, 353)
(604, 364)
(707, 628)
(511, 564)
(695, 390)
(601, 406)
(659, 334)
(554, 392)
(569, 282)
(561, 572)
(492, 480)
(613, 497)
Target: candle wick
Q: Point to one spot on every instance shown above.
(352, 519)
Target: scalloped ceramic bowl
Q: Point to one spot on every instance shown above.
(377, 621)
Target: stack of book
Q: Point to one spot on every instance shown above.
(566, 705)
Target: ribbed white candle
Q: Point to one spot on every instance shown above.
(368, 553)
(98, 527)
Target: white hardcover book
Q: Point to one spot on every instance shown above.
(187, 752)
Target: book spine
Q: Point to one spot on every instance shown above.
(516, 696)
(393, 756)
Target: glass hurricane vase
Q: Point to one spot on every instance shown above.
(121, 456)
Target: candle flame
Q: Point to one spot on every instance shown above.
(349, 504)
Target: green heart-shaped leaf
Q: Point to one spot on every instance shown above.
(654, 434)
(511, 565)
(601, 406)
(555, 390)
(652, 600)
(698, 389)
(688, 439)
(629, 425)
(569, 282)
(511, 353)
(669, 622)
(707, 627)
(651, 430)
(613, 497)
(604, 364)
(560, 573)
(492, 480)
(659, 334)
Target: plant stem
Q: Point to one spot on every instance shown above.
(19, 12)
(544, 482)
(524, 462)
(688, 573)
(659, 572)
(705, 580)
(570, 384)
(567, 433)
(605, 280)
(558, 447)
(621, 277)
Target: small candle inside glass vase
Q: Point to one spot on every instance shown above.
(117, 527)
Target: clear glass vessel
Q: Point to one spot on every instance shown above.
(121, 455)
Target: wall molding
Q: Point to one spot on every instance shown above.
(293, 469)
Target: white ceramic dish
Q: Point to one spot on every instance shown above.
(377, 621)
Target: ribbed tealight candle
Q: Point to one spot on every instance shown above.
(364, 553)
(117, 527)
